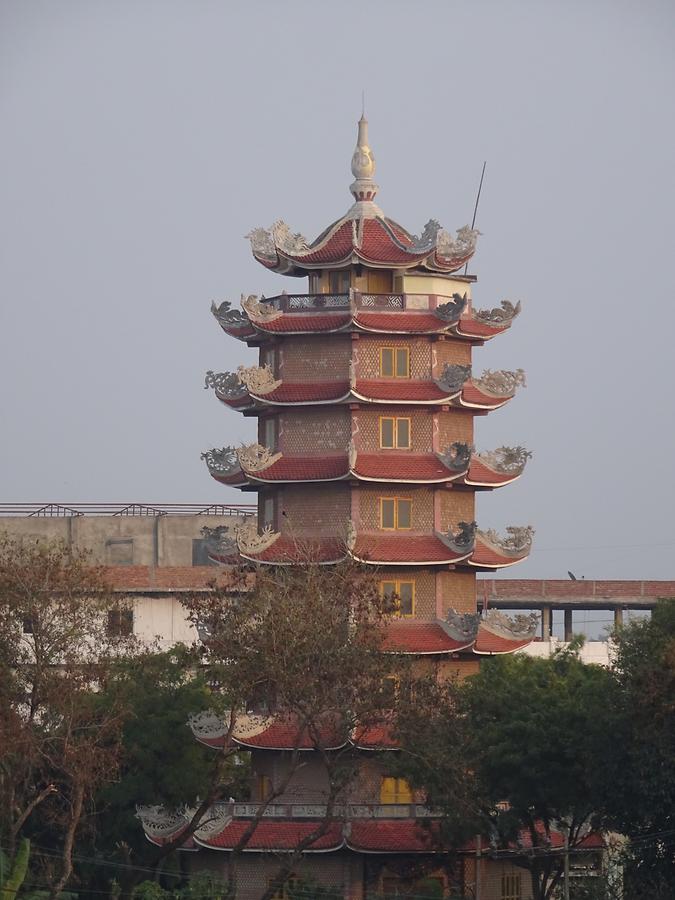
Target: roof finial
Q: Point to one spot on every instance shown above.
(363, 163)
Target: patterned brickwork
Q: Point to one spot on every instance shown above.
(425, 588)
(367, 356)
(454, 426)
(368, 435)
(451, 352)
(309, 432)
(422, 507)
(303, 360)
(457, 591)
(314, 511)
(456, 506)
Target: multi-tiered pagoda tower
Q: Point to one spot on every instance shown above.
(365, 399)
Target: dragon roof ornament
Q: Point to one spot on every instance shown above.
(501, 383)
(252, 542)
(463, 245)
(519, 627)
(207, 724)
(255, 308)
(228, 317)
(258, 380)
(218, 817)
(220, 541)
(453, 378)
(462, 626)
(427, 240)
(499, 315)
(517, 543)
(227, 384)
(160, 822)
(508, 460)
(265, 242)
(456, 457)
(255, 457)
(462, 540)
(221, 461)
(453, 309)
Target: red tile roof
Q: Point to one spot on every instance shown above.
(391, 836)
(488, 643)
(275, 835)
(410, 636)
(285, 551)
(405, 322)
(402, 466)
(307, 392)
(472, 396)
(404, 548)
(480, 474)
(304, 468)
(401, 390)
(296, 323)
(470, 327)
(374, 737)
(485, 555)
(283, 734)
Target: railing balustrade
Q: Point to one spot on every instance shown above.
(341, 811)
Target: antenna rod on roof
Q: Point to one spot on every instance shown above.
(475, 209)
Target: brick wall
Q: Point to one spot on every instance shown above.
(454, 426)
(453, 352)
(322, 359)
(457, 591)
(308, 431)
(367, 421)
(321, 510)
(367, 356)
(422, 508)
(456, 506)
(425, 588)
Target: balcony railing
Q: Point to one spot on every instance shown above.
(300, 303)
(343, 811)
(61, 510)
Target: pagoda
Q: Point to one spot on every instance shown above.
(365, 398)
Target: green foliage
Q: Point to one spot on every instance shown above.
(13, 873)
(199, 887)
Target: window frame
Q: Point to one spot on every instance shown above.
(400, 785)
(395, 420)
(394, 350)
(511, 886)
(396, 500)
(120, 621)
(397, 582)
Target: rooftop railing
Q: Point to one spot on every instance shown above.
(60, 510)
(335, 302)
(342, 811)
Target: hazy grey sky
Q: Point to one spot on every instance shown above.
(141, 140)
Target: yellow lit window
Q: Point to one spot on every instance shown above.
(402, 594)
(395, 790)
(395, 362)
(394, 433)
(264, 786)
(511, 889)
(395, 513)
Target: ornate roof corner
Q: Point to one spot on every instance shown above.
(290, 242)
(258, 380)
(453, 378)
(221, 461)
(427, 240)
(262, 243)
(250, 542)
(518, 627)
(509, 460)
(255, 457)
(462, 540)
(503, 314)
(216, 819)
(463, 245)
(501, 383)
(220, 541)
(159, 822)
(456, 457)
(228, 317)
(517, 544)
(452, 310)
(461, 626)
(256, 309)
(226, 384)
(207, 725)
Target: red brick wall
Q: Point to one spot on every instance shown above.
(453, 352)
(454, 426)
(367, 355)
(367, 438)
(314, 359)
(321, 510)
(456, 506)
(309, 431)
(457, 591)
(422, 508)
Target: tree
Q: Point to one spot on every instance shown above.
(303, 643)
(529, 745)
(58, 745)
(644, 792)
